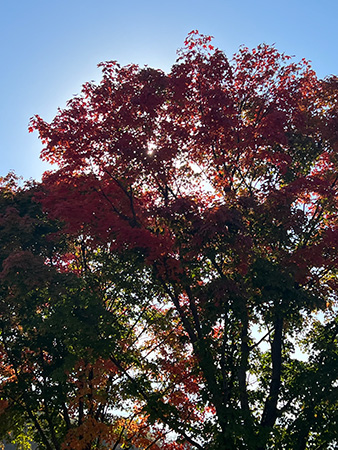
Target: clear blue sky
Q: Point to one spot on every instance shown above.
(49, 48)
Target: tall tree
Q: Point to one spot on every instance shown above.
(221, 179)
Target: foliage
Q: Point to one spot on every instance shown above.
(58, 331)
(195, 247)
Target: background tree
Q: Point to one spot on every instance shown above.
(63, 324)
(220, 178)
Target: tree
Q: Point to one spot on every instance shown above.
(220, 180)
(61, 325)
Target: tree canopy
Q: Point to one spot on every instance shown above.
(173, 281)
